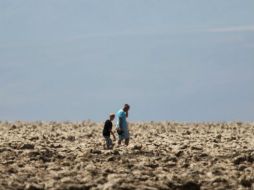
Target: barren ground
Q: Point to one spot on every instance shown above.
(163, 155)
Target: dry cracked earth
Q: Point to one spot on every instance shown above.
(162, 155)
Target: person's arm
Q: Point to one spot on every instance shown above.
(120, 123)
(114, 137)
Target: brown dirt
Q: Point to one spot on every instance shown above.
(163, 155)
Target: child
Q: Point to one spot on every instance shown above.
(107, 130)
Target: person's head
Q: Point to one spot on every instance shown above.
(111, 116)
(126, 107)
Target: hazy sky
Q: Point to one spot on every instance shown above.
(190, 60)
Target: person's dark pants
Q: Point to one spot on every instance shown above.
(108, 141)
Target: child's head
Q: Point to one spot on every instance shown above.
(111, 116)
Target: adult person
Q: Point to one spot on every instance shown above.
(122, 125)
